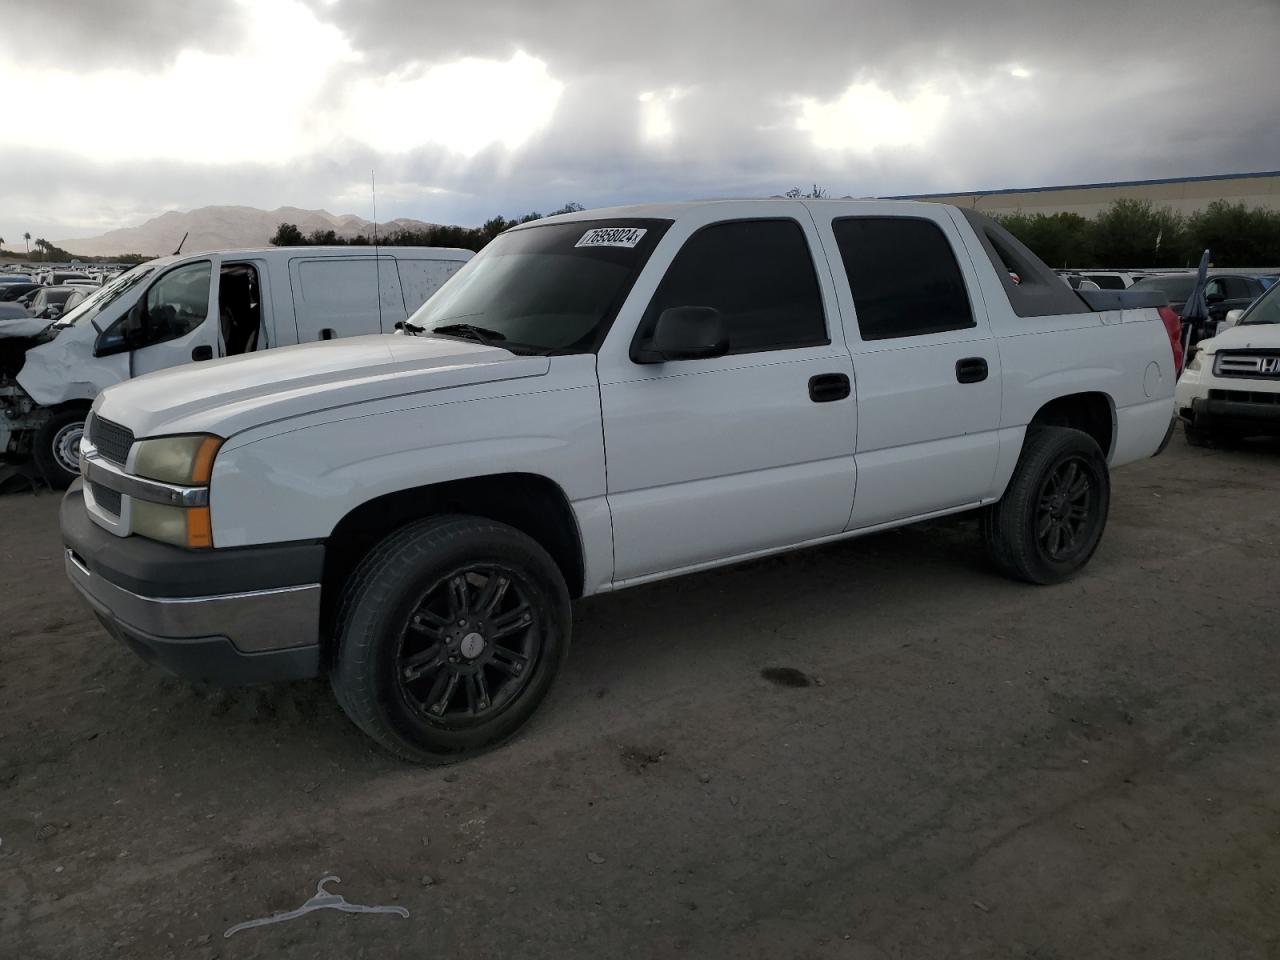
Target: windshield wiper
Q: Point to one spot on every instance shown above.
(471, 332)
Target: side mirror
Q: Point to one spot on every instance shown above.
(685, 333)
(1232, 318)
(121, 336)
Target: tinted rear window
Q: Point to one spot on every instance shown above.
(903, 277)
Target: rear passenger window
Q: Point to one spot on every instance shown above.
(903, 276)
(758, 273)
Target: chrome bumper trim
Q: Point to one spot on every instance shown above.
(97, 469)
(257, 621)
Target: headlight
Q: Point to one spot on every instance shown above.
(186, 461)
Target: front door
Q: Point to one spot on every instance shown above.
(927, 366)
(179, 318)
(715, 458)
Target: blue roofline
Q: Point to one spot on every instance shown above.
(1084, 186)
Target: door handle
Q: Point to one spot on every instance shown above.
(971, 370)
(202, 352)
(828, 387)
(326, 333)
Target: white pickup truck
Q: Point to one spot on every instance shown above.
(599, 400)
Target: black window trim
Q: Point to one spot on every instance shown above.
(637, 339)
(955, 255)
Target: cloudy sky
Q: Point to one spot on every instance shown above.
(466, 109)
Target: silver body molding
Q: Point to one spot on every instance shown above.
(255, 622)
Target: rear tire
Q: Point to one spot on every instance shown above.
(449, 634)
(56, 447)
(1051, 518)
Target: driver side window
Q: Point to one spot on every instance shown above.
(175, 305)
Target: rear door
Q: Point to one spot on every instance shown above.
(926, 364)
(345, 296)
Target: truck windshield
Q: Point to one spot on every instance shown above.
(105, 296)
(1266, 309)
(547, 289)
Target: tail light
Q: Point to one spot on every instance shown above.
(1173, 326)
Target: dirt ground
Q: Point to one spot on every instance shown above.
(875, 749)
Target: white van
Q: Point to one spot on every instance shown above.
(196, 307)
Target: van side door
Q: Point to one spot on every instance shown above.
(928, 368)
(345, 296)
(420, 278)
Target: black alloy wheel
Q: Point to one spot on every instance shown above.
(1065, 509)
(469, 647)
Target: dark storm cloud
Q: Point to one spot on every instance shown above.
(129, 33)
(1116, 90)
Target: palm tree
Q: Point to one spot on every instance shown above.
(27, 237)
(43, 246)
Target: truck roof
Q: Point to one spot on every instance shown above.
(676, 209)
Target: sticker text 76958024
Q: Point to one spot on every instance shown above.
(611, 237)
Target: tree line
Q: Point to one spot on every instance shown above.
(1128, 233)
(1136, 233)
(436, 235)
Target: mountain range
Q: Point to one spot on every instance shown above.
(222, 228)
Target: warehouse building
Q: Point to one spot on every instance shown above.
(1184, 195)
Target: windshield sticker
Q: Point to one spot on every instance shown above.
(611, 237)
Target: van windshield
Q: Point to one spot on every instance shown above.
(548, 289)
(104, 297)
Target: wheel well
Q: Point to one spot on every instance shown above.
(532, 504)
(1092, 413)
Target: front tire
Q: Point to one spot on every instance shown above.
(56, 447)
(449, 634)
(1050, 520)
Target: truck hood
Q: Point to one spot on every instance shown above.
(1244, 336)
(234, 394)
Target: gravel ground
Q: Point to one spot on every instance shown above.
(874, 749)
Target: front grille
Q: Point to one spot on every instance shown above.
(112, 440)
(1245, 396)
(1264, 365)
(106, 498)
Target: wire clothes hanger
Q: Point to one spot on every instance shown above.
(322, 900)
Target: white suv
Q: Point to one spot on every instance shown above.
(1231, 387)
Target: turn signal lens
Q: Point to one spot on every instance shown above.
(199, 527)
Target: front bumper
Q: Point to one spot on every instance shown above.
(227, 617)
(1240, 415)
